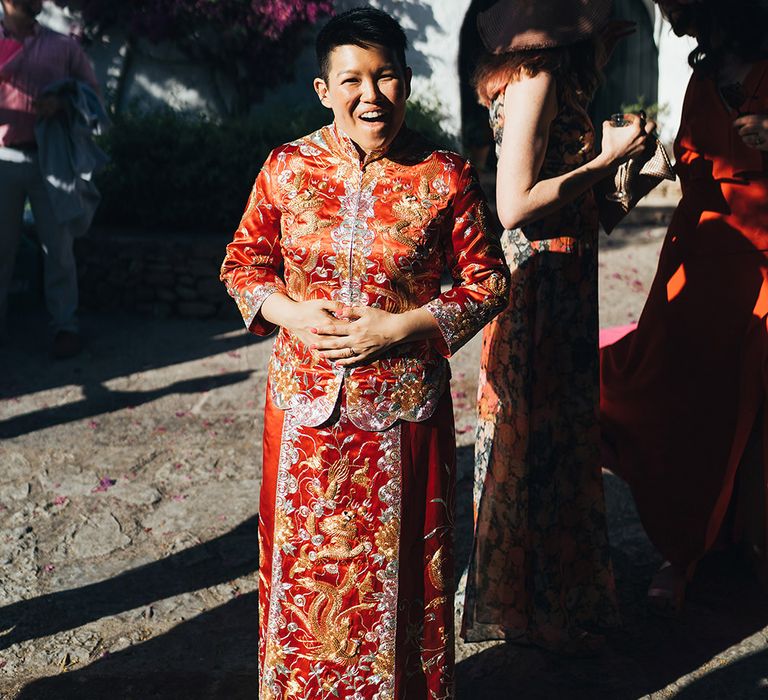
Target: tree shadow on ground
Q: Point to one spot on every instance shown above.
(201, 659)
(230, 556)
(725, 605)
(100, 400)
(117, 346)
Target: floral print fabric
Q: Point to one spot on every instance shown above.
(540, 568)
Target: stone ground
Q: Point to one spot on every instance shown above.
(129, 485)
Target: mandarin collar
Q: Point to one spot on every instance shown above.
(347, 147)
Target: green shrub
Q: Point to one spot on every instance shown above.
(172, 171)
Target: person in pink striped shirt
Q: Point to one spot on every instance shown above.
(33, 57)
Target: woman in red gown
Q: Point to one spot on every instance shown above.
(682, 397)
(342, 246)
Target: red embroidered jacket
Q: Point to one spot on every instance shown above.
(322, 224)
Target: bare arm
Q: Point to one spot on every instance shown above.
(530, 105)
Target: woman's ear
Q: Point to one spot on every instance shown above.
(321, 88)
(408, 76)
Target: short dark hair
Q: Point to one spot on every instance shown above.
(364, 27)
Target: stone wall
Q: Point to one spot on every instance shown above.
(158, 274)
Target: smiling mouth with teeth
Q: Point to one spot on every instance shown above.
(373, 116)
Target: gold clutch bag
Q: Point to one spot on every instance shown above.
(637, 178)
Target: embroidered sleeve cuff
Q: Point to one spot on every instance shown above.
(449, 318)
(249, 303)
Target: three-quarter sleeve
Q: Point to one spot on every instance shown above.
(253, 263)
(476, 262)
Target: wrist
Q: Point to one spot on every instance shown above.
(397, 328)
(280, 309)
(605, 162)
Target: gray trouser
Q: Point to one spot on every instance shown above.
(20, 178)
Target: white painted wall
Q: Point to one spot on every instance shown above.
(674, 73)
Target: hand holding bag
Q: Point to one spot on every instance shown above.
(638, 178)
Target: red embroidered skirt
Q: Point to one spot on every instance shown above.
(355, 559)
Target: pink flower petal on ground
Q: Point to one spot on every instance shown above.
(178, 465)
(234, 354)
(48, 568)
(180, 414)
(60, 500)
(93, 424)
(105, 483)
(161, 429)
(179, 497)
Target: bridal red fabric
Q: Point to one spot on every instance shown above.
(356, 508)
(681, 394)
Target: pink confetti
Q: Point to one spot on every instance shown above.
(48, 568)
(93, 424)
(228, 421)
(161, 429)
(105, 483)
(234, 354)
(180, 414)
(178, 465)
(616, 276)
(223, 517)
(60, 500)
(179, 497)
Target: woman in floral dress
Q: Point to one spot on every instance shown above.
(540, 569)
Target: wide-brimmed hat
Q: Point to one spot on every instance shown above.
(515, 25)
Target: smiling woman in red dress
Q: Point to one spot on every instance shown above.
(343, 245)
(683, 396)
